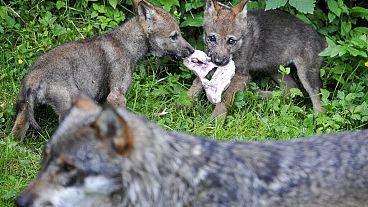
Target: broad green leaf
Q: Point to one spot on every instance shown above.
(193, 5)
(343, 7)
(335, 50)
(3, 12)
(363, 30)
(284, 70)
(294, 92)
(360, 12)
(193, 21)
(345, 28)
(343, 50)
(331, 17)
(273, 4)
(167, 4)
(99, 8)
(113, 3)
(304, 6)
(60, 4)
(334, 7)
(304, 19)
(327, 52)
(355, 52)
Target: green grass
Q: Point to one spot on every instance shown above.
(159, 85)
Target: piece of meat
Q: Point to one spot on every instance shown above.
(219, 82)
(201, 65)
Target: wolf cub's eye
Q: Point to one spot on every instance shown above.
(211, 38)
(174, 36)
(231, 41)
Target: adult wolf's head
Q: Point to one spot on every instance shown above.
(224, 28)
(163, 31)
(87, 160)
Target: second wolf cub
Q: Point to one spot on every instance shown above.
(100, 67)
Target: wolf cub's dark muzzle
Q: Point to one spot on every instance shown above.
(186, 52)
(220, 61)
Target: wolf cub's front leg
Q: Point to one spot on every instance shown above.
(195, 90)
(117, 98)
(119, 84)
(239, 82)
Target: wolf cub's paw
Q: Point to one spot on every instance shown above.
(219, 112)
(117, 99)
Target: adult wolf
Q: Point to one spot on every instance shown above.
(111, 157)
(100, 67)
(260, 41)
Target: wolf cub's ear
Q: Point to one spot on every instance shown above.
(113, 127)
(212, 8)
(147, 11)
(240, 10)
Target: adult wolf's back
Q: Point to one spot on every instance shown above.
(112, 158)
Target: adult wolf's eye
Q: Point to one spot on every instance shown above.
(211, 38)
(66, 167)
(174, 36)
(231, 41)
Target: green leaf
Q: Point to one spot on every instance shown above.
(304, 6)
(304, 19)
(99, 8)
(354, 52)
(359, 12)
(328, 50)
(193, 5)
(3, 12)
(193, 21)
(343, 7)
(274, 4)
(335, 51)
(294, 92)
(113, 3)
(334, 7)
(284, 70)
(167, 4)
(345, 28)
(363, 30)
(60, 4)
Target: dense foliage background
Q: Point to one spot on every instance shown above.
(28, 28)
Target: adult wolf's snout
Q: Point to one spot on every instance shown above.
(25, 200)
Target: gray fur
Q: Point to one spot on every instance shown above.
(263, 41)
(100, 67)
(174, 169)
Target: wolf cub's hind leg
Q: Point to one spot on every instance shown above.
(310, 78)
(21, 125)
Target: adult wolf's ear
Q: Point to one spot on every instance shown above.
(111, 126)
(84, 102)
(240, 10)
(212, 7)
